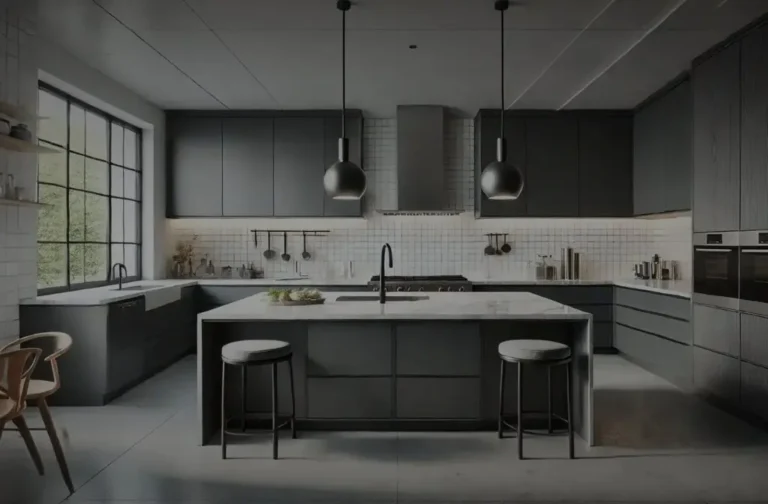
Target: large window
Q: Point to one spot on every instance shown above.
(92, 194)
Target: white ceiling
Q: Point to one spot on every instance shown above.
(285, 54)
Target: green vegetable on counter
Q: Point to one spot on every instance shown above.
(278, 295)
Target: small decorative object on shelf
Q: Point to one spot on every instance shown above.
(185, 252)
(301, 297)
(21, 132)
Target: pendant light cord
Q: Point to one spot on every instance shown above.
(501, 135)
(343, 72)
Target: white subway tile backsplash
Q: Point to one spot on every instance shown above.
(432, 245)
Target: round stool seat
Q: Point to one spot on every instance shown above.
(255, 351)
(533, 350)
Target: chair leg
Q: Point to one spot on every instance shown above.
(293, 400)
(549, 399)
(2, 428)
(520, 410)
(274, 411)
(244, 387)
(21, 424)
(45, 412)
(223, 417)
(570, 409)
(501, 398)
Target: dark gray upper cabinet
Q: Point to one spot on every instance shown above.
(552, 166)
(248, 167)
(488, 125)
(299, 166)
(605, 166)
(662, 153)
(195, 182)
(754, 130)
(716, 141)
(354, 127)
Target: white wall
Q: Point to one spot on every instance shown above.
(434, 245)
(62, 70)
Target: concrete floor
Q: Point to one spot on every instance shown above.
(662, 446)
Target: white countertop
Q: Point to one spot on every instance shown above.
(438, 306)
(106, 295)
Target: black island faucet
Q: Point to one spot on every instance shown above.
(120, 270)
(382, 280)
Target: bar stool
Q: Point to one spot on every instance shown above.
(539, 353)
(256, 353)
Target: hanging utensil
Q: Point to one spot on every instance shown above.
(489, 250)
(498, 250)
(506, 248)
(306, 255)
(285, 256)
(269, 253)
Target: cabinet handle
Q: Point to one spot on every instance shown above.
(128, 305)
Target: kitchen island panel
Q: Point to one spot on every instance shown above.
(349, 349)
(438, 349)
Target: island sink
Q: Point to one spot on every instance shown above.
(376, 298)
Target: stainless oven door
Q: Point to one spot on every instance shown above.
(716, 269)
(754, 272)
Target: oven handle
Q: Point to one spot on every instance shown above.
(754, 251)
(722, 251)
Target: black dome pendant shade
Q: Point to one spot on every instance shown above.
(501, 180)
(344, 180)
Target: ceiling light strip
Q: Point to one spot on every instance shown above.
(560, 54)
(629, 49)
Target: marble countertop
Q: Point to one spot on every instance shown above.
(438, 306)
(106, 295)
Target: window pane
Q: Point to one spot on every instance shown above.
(77, 263)
(96, 215)
(77, 129)
(76, 215)
(131, 184)
(117, 254)
(95, 135)
(132, 259)
(131, 149)
(76, 171)
(52, 168)
(96, 178)
(53, 129)
(117, 144)
(131, 221)
(117, 220)
(52, 220)
(51, 265)
(117, 181)
(95, 263)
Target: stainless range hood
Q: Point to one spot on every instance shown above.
(420, 161)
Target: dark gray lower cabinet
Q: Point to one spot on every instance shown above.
(349, 398)
(754, 389)
(716, 375)
(663, 357)
(716, 329)
(349, 349)
(126, 337)
(436, 349)
(754, 339)
(667, 327)
(438, 398)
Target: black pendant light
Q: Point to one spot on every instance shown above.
(501, 180)
(344, 180)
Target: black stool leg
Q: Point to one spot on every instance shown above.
(501, 399)
(549, 399)
(520, 410)
(245, 393)
(570, 409)
(274, 411)
(223, 416)
(293, 400)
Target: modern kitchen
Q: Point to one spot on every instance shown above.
(333, 251)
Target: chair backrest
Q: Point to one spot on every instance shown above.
(16, 367)
(52, 345)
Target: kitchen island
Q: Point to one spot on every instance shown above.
(428, 364)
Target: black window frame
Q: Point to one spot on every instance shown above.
(138, 170)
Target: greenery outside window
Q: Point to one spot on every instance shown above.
(92, 195)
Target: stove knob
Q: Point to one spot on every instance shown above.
(448, 288)
(400, 289)
(421, 289)
(408, 289)
(386, 290)
(439, 289)
(375, 289)
(461, 289)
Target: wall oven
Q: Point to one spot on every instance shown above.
(716, 269)
(754, 272)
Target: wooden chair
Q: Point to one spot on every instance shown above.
(16, 366)
(53, 345)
